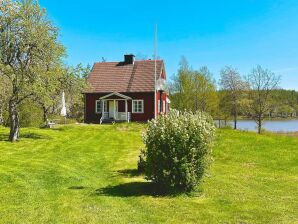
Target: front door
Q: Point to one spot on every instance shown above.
(112, 109)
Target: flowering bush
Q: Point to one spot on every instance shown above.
(177, 148)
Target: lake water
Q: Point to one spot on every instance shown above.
(275, 126)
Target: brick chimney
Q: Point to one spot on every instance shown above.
(129, 59)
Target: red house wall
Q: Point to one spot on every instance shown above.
(164, 99)
(148, 97)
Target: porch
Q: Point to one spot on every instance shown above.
(115, 108)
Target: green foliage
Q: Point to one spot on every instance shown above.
(284, 103)
(30, 114)
(74, 82)
(193, 90)
(177, 149)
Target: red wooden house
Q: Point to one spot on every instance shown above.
(126, 91)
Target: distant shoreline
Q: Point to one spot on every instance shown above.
(265, 119)
(271, 125)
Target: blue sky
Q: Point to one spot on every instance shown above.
(241, 33)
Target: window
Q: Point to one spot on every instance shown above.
(164, 106)
(138, 106)
(98, 106)
(158, 106)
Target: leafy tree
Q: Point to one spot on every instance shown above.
(181, 87)
(204, 91)
(71, 80)
(231, 81)
(28, 46)
(262, 82)
(193, 90)
(50, 95)
(74, 82)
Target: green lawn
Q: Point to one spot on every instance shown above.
(86, 174)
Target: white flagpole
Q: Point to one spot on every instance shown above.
(155, 67)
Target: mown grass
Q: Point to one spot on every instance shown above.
(87, 174)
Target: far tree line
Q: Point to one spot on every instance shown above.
(256, 95)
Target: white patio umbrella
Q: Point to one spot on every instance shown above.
(63, 110)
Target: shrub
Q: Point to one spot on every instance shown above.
(177, 148)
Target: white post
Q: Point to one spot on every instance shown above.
(115, 109)
(103, 108)
(126, 110)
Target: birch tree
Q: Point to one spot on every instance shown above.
(231, 81)
(28, 47)
(262, 82)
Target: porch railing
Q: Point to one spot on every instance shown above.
(105, 115)
(118, 116)
(121, 116)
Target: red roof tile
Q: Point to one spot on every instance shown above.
(120, 77)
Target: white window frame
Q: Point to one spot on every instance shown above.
(158, 106)
(103, 103)
(132, 106)
(96, 108)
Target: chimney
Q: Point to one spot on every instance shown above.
(129, 59)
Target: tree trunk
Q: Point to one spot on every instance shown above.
(235, 122)
(14, 121)
(259, 125)
(1, 115)
(45, 114)
(235, 117)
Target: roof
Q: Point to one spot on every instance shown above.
(108, 77)
(115, 94)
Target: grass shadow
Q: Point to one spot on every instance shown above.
(76, 187)
(137, 189)
(5, 137)
(132, 189)
(55, 128)
(129, 172)
(34, 136)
